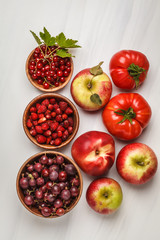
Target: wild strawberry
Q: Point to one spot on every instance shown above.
(38, 129)
(56, 106)
(58, 111)
(42, 109)
(70, 129)
(35, 122)
(59, 133)
(60, 128)
(53, 114)
(66, 133)
(47, 133)
(48, 139)
(53, 126)
(29, 123)
(52, 142)
(54, 135)
(41, 120)
(33, 132)
(45, 102)
(50, 107)
(70, 120)
(59, 118)
(52, 100)
(38, 105)
(64, 116)
(34, 116)
(66, 124)
(69, 111)
(45, 126)
(48, 116)
(41, 115)
(63, 105)
(58, 141)
(33, 109)
(47, 112)
(41, 139)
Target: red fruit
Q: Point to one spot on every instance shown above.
(29, 123)
(48, 116)
(41, 139)
(63, 105)
(33, 132)
(33, 109)
(50, 107)
(53, 126)
(38, 129)
(64, 137)
(59, 133)
(41, 115)
(42, 109)
(54, 135)
(52, 100)
(69, 111)
(66, 124)
(59, 118)
(45, 102)
(52, 142)
(42, 120)
(45, 172)
(70, 120)
(45, 126)
(60, 128)
(47, 133)
(48, 139)
(70, 129)
(38, 105)
(34, 116)
(64, 116)
(35, 123)
(66, 132)
(60, 211)
(58, 111)
(53, 114)
(58, 141)
(56, 106)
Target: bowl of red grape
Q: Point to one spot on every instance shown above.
(49, 184)
(50, 121)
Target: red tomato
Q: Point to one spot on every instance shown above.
(126, 115)
(128, 69)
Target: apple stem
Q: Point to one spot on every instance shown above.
(97, 152)
(105, 195)
(89, 85)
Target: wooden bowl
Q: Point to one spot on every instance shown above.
(40, 87)
(39, 99)
(31, 160)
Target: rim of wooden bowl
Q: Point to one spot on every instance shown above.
(39, 98)
(34, 210)
(40, 87)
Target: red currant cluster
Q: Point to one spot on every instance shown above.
(50, 184)
(47, 68)
(51, 121)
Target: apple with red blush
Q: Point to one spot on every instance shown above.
(91, 88)
(136, 163)
(94, 152)
(104, 195)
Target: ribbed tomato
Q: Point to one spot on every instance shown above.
(126, 115)
(128, 69)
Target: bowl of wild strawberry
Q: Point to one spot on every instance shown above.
(49, 66)
(50, 121)
(49, 184)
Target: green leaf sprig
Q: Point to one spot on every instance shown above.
(96, 70)
(60, 41)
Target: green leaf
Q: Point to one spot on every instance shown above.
(46, 37)
(36, 38)
(95, 98)
(60, 39)
(63, 53)
(52, 41)
(97, 70)
(66, 43)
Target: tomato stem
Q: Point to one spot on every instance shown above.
(128, 114)
(135, 71)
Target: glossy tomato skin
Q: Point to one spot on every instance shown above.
(119, 65)
(126, 130)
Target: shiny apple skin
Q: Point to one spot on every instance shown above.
(101, 84)
(94, 152)
(136, 163)
(104, 195)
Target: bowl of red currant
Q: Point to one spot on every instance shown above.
(49, 66)
(50, 121)
(49, 184)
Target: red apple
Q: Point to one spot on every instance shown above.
(91, 92)
(136, 163)
(94, 152)
(104, 195)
